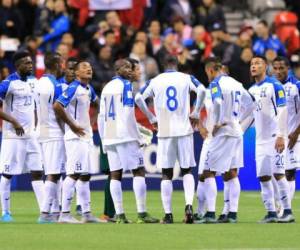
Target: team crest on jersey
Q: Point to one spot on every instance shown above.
(64, 94)
(280, 93)
(214, 90)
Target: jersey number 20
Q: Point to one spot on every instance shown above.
(172, 102)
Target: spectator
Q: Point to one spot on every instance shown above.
(148, 65)
(155, 36)
(63, 50)
(184, 31)
(221, 41)
(180, 8)
(59, 26)
(68, 40)
(116, 26)
(296, 70)
(11, 24)
(266, 41)
(209, 13)
(103, 68)
(43, 18)
(142, 36)
(270, 55)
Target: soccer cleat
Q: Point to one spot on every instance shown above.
(209, 218)
(269, 218)
(46, 219)
(146, 218)
(286, 218)
(168, 219)
(6, 217)
(89, 218)
(223, 219)
(55, 216)
(68, 219)
(232, 217)
(189, 217)
(78, 210)
(121, 219)
(197, 217)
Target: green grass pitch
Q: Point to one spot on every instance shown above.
(25, 234)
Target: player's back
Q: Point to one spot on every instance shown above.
(231, 92)
(48, 90)
(268, 94)
(117, 113)
(171, 91)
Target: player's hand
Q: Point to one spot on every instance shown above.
(194, 122)
(216, 128)
(279, 144)
(203, 132)
(78, 130)
(155, 126)
(19, 129)
(293, 137)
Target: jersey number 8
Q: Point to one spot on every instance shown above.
(172, 102)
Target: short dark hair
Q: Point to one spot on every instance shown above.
(20, 55)
(263, 22)
(133, 62)
(282, 59)
(261, 57)
(72, 59)
(107, 32)
(170, 60)
(214, 62)
(51, 60)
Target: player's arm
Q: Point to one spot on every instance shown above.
(216, 95)
(58, 90)
(199, 89)
(140, 98)
(247, 108)
(101, 116)
(95, 104)
(59, 108)
(282, 117)
(293, 137)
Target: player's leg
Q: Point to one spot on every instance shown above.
(166, 187)
(140, 190)
(189, 190)
(201, 199)
(5, 186)
(223, 216)
(291, 178)
(278, 206)
(78, 201)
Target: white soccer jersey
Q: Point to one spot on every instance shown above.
(171, 95)
(77, 99)
(232, 95)
(19, 101)
(269, 95)
(48, 90)
(292, 88)
(208, 122)
(117, 117)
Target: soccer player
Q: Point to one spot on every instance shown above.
(121, 139)
(20, 152)
(291, 86)
(271, 128)
(171, 95)
(72, 107)
(224, 151)
(51, 135)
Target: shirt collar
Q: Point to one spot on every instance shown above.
(170, 70)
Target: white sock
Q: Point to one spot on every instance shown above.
(234, 194)
(292, 188)
(276, 191)
(201, 198)
(189, 188)
(5, 194)
(139, 188)
(38, 188)
(283, 187)
(166, 187)
(83, 191)
(50, 190)
(267, 194)
(78, 201)
(117, 196)
(210, 187)
(67, 194)
(226, 198)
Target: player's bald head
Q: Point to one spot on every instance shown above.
(123, 68)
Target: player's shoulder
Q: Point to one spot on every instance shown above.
(114, 85)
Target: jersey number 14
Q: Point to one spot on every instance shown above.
(110, 112)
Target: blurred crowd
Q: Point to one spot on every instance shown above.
(149, 29)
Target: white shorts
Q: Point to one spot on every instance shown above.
(20, 156)
(176, 148)
(53, 156)
(223, 153)
(268, 161)
(126, 156)
(293, 157)
(78, 154)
